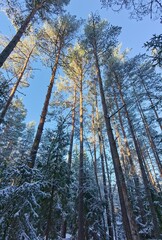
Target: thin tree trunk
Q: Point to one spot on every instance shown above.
(64, 220)
(39, 132)
(149, 174)
(63, 228)
(94, 154)
(81, 230)
(94, 160)
(130, 160)
(12, 44)
(153, 167)
(12, 93)
(152, 104)
(110, 190)
(150, 138)
(123, 157)
(72, 130)
(139, 155)
(109, 224)
(127, 213)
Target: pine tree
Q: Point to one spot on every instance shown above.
(99, 40)
(42, 7)
(61, 32)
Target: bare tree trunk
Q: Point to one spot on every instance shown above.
(72, 130)
(39, 132)
(127, 213)
(12, 93)
(81, 229)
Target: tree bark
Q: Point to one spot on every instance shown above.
(127, 213)
(150, 138)
(39, 132)
(81, 229)
(94, 154)
(139, 155)
(110, 190)
(72, 130)
(12, 93)
(130, 161)
(109, 223)
(152, 104)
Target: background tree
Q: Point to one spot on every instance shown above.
(18, 66)
(56, 37)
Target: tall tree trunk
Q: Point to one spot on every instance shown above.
(39, 132)
(127, 213)
(94, 154)
(12, 93)
(94, 160)
(64, 220)
(110, 189)
(139, 155)
(152, 104)
(12, 44)
(130, 160)
(72, 130)
(123, 157)
(150, 138)
(109, 224)
(81, 230)
(152, 167)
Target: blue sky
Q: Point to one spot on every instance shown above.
(134, 34)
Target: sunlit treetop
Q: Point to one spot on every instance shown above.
(18, 10)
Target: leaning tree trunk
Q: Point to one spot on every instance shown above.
(139, 155)
(127, 212)
(4, 111)
(81, 230)
(39, 132)
(12, 44)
